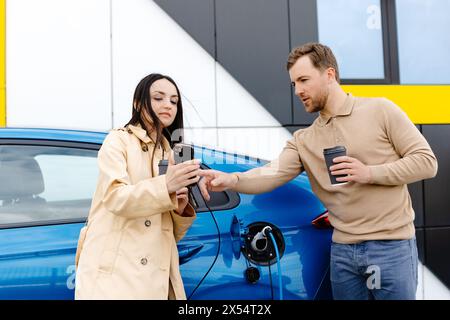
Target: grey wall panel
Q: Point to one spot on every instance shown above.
(303, 21)
(303, 29)
(194, 16)
(420, 238)
(416, 193)
(436, 249)
(252, 44)
(301, 117)
(437, 190)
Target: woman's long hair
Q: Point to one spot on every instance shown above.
(143, 114)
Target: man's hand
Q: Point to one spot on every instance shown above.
(355, 169)
(214, 180)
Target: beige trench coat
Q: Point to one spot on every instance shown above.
(129, 249)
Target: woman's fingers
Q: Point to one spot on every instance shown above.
(182, 197)
(189, 163)
(181, 175)
(191, 181)
(183, 190)
(187, 177)
(187, 169)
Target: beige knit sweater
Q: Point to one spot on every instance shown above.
(380, 135)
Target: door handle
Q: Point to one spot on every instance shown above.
(186, 252)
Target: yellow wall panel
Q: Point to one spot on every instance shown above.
(424, 104)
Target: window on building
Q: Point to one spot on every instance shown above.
(353, 30)
(424, 41)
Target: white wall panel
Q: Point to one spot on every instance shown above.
(433, 288)
(206, 137)
(420, 290)
(264, 143)
(58, 63)
(147, 40)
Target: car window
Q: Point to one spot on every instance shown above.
(45, 183)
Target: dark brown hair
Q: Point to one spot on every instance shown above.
(321, 57)
(143, 114)
(142, 111)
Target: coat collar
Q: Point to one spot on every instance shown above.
(139, 132)
(345, 110)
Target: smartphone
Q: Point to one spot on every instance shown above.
(183, 152)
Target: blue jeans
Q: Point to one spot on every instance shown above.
(380, 270)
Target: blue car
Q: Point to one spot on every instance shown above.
(48, 177)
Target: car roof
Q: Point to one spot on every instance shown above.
(97, 137)
(53, 134)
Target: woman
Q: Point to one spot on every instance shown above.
(128, 248)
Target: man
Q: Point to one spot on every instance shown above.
(372, 216)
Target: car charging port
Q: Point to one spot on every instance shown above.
(258, 247)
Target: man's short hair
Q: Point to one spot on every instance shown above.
(321, 57)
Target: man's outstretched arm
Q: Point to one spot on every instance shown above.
(258, 180)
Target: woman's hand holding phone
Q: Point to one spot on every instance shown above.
(181, 175)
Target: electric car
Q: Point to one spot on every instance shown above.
(48, 177)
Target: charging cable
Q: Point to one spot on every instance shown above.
(268, 231)
(218, 246)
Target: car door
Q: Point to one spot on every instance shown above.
(45, 196)
(226, 278)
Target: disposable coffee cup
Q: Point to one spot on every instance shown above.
(329, 155)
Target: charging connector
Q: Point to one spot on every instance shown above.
(259, 244)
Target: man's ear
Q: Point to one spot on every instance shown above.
(331, 74)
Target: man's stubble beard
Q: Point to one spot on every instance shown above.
(321, 101)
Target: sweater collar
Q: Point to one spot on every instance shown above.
(345, 110)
